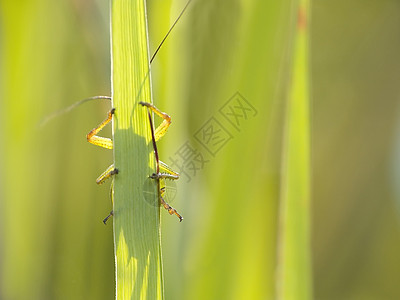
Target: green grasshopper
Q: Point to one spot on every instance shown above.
(162, 170)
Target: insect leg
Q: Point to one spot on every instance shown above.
(111, 170)
(98, 140)
(167, 174)
(158, 175)
(105, 143)
(170, 209)
(167, 170)
(112, 202)
(109, 216)
(162, 128)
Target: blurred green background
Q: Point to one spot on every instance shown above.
(53, 244)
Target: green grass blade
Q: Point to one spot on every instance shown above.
(136, 218)
(294, 265)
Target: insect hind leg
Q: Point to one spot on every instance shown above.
(169, 208)
(98, 140)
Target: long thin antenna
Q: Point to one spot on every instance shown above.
(153, 140)
(69, 108)
(76, 104)
(169, 31)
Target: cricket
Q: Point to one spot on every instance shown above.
(163, 171)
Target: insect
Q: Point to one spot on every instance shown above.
(163, 172)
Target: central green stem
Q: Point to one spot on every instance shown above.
(136, 207)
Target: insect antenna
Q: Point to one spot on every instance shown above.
(169, 31)
(153, 139)
(65, 110)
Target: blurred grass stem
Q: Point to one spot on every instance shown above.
(294, 262)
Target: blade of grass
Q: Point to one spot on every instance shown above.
(294, 263)
(136, 220)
